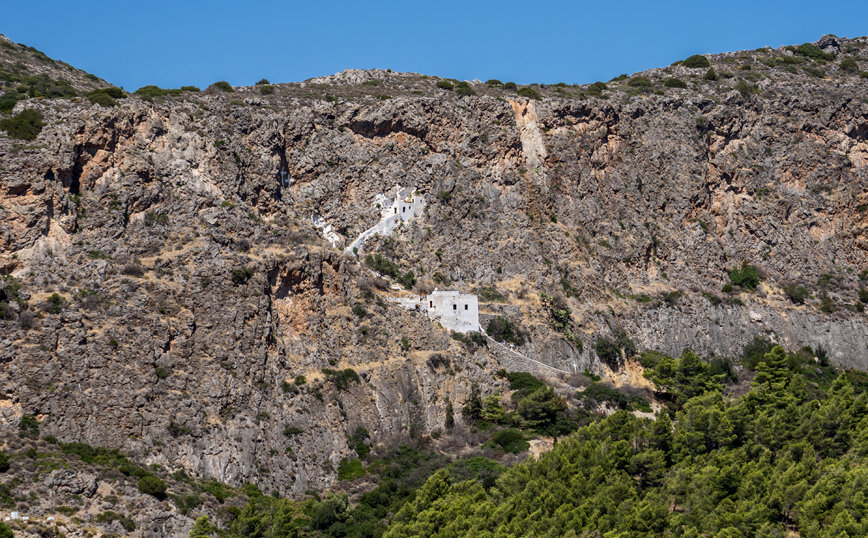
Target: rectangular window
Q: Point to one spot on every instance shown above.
(465, 307)
(396, 210)
(455, 307)
(403, 210)
(431, 304)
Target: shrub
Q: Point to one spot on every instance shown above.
(809, 50)
(408, 280)
(788, 60)
(25, 125)
(266, 90)
(797, 294)
(190, 89)
(445, 85)
(530, 93)
(4, 463)
(241, 275)
(490, 295)
(849, 64)
(597, 88)
(291, 431)
(827, 305)
(43, 86)
(359, 441)
(493, 82)
(559, 312)
(640, 82)
(755, 351)
(55, 302)
(437, 361)
(223, 86)
(745, 89)
(713, 299)
(350, 469)
(359, 310)
(711, 74)
(503, 330)
(156, 218)
(342, 378)
(109, 517)
(673, 82)
(382, 265)
(696, 61)
(133, 269)
(300, 380)
(511, 441)
(8, 100)
(522, 380)
(68, 511)
(464, 90)
(444, 196)
(220, 491)
(746, 276)
(27, 320)
(5, 531)
(603, 393)
(509, 86)
(472, 408)
(147, 93)
(152, 485)
(609, 349)
(263, 82)
(671, 298)
(101, 98)
(28, 426)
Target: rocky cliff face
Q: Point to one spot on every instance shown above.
(192, 288)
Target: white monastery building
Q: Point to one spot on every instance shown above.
(455, 311)
(396, 207)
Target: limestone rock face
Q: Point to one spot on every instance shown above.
(194, 291)
(71, 483)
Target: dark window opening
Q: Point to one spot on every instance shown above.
(455, 307)
(465, 307)
(431, 304)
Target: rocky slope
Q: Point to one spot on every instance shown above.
(165, 291)
(38, 75)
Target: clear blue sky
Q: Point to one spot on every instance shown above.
(175, 43)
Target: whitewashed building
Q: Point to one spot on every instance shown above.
(327, 230)
(396, 207)
(401, 203)
(455, 311)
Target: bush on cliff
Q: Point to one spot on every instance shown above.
(25, 125)
(503, 330)
(152, 485)
(695, 61)
(747, 276)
